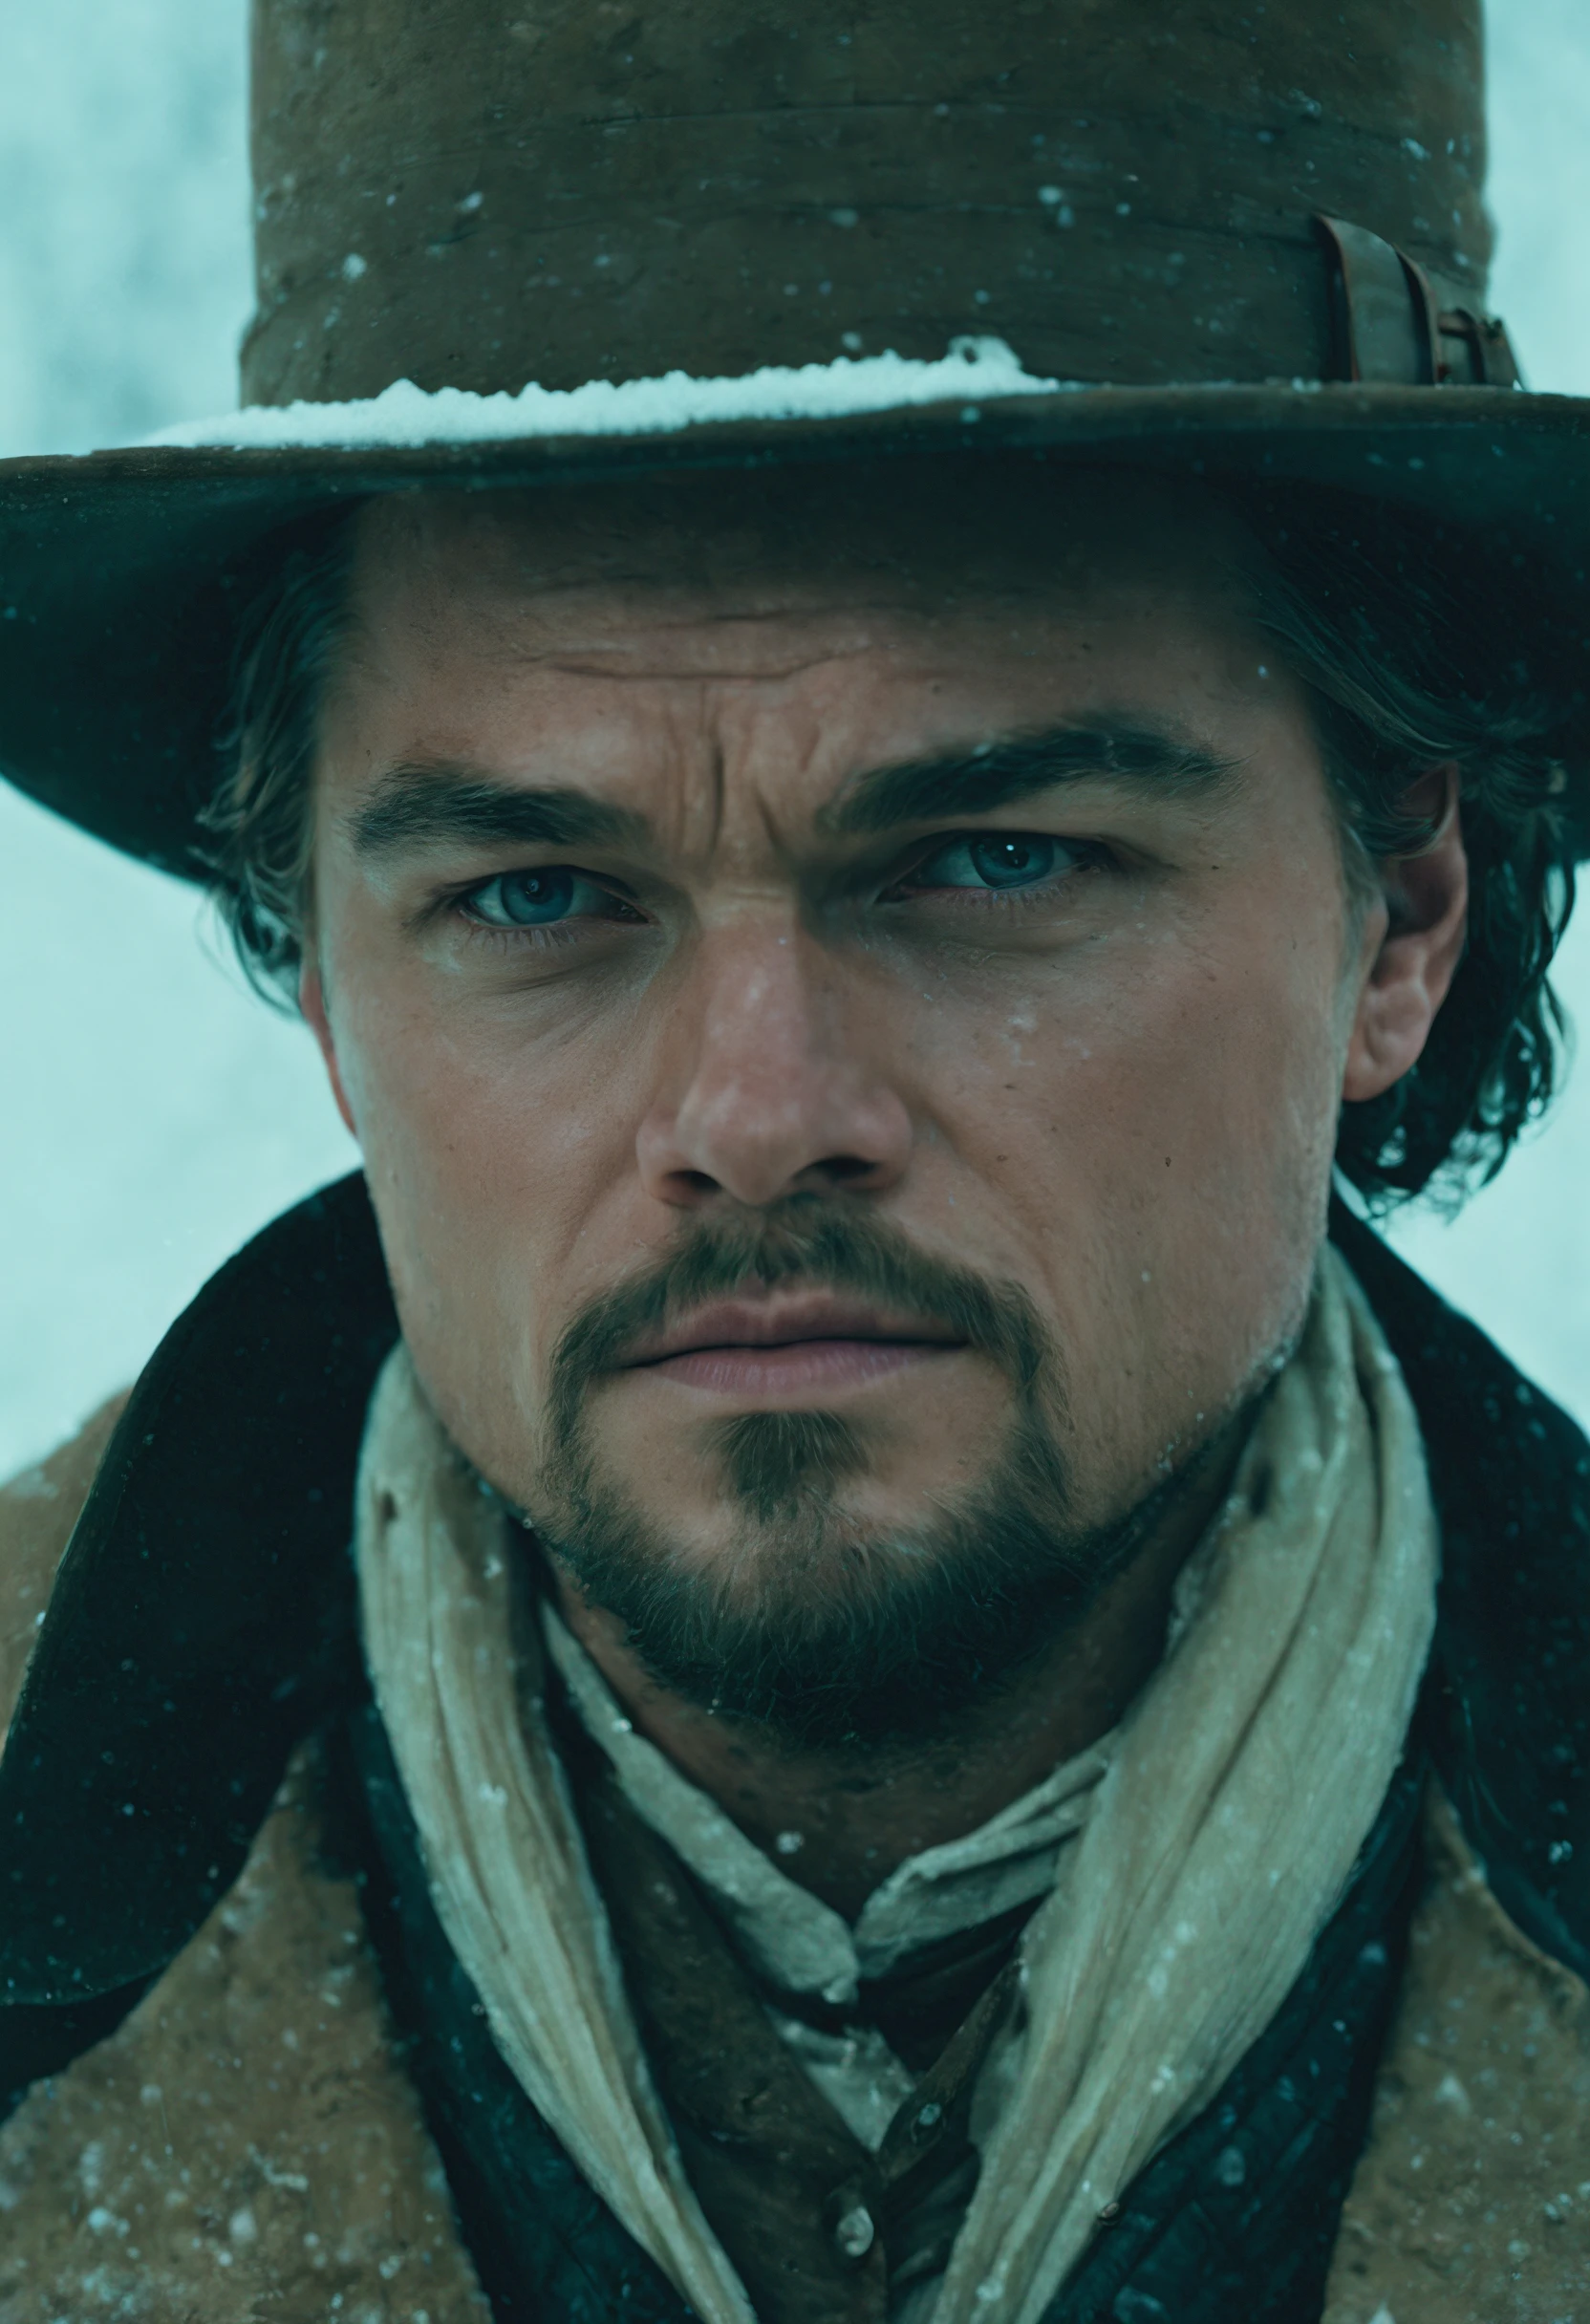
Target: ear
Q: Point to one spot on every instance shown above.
(311, 1003)
(1413, 941)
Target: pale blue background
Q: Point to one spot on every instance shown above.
(154, 1114)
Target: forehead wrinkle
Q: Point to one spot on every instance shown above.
(682, 769)
(641, 639)
(730, 786)
(616, 662)
(716, 774)
(745, 679)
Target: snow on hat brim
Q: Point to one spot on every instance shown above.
(122, 572)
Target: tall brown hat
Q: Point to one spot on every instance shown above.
(1200, 232)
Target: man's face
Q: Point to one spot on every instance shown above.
(842, 992)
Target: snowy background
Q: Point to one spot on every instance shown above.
(152, 1113)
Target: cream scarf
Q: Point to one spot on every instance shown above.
(1247, 1775)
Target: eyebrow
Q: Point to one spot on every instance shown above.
(919, 790)
(430, 803)
(433, 803)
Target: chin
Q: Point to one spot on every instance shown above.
(798, 1606)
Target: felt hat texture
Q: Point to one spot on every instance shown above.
(537, 242)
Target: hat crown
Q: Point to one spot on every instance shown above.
(486, 192)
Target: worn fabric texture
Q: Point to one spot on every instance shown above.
(507, 1863)
(1471, 2202)
(790, 1936)
(820, 2228)
(1249, 1772)
(88, 2142)
(801, 1951)
(246, 2145)
(1237, 2215)
(38, 1508)
(1247, 1776)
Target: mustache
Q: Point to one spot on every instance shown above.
(809, 1239)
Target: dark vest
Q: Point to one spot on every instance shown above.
(203, 1622)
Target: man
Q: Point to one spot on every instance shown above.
(951, 1698)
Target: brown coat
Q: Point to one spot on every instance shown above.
(248, 2145)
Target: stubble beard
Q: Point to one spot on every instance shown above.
(818, 1630)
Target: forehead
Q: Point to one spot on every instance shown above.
(723, 651)
(700, 567)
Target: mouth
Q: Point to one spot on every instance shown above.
(765, 1350)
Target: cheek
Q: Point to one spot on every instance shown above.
(1161, 1125)
(491, 1172)
(1201, 1057)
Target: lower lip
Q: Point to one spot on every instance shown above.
(799, 1365)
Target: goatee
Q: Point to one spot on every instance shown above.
(818, 1630)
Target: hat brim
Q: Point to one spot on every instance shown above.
(122, 573)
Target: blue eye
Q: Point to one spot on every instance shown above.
(999, 859)
(543, 898)
(1013, 863)
(526, 900)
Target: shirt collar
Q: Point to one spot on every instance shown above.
(790, 1936)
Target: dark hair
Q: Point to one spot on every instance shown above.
(1410, 664)
(259, 823)
(1414, 663)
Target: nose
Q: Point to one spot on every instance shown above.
(769, 1088)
